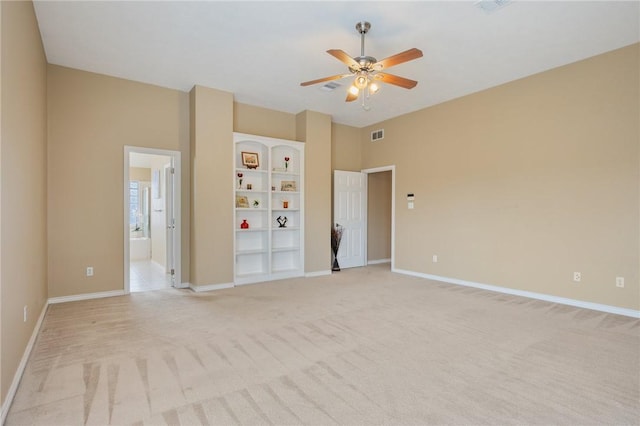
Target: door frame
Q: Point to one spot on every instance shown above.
(177, 199)
(392, 169)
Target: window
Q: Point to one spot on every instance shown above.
(134, 202)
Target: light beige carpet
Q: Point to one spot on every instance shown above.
(361, 347)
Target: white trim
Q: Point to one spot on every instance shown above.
(392, 169)
(201, 288)
(11, 393)
(378, 261)
(539, 296)
(86, 296)
(317, 273)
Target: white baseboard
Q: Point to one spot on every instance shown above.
(87, 296)
(377, 261)
(539, 296)
(11, 393)
(317, 273)
(183, 286)
(210, 287)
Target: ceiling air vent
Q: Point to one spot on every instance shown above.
(490, 6)
(330, 86)
(376, 135)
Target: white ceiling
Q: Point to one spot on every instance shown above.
(261, 51)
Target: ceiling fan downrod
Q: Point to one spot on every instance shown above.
(364, 61)
(362, 27)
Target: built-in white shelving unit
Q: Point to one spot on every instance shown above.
(269, 192)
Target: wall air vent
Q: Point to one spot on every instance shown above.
(376, 135)
(331, 86)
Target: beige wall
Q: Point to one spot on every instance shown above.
(523, 184)
(346, 148)
(211, 186)
(23, 279)
(263, 122)
(141, 174)
(379, 216)
(315, 130)
(91, 118)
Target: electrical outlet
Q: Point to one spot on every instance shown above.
(89, 271)
(619, 281)
(24, 315)
(577, 276)
(435, 258)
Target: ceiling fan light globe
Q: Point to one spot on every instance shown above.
(373, 88)
(361, 82)
(354, 90)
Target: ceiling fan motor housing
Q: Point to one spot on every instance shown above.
(365, 63)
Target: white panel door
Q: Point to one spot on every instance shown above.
(349, 209)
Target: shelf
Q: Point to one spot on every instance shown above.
(251, 230)
(261, 171)
(285, 210)
(282, 249)
(250, 191)
(288, 228)
(250, 209)
(257, 251)
(285, 192)
(281, 173)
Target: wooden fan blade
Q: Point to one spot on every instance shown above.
(396, 81)
(351, 97)
(407, 55)
(320, 80)
(342, 56)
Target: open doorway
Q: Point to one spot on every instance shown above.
(380, 215)
(152, 220)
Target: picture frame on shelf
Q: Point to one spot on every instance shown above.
(242, 202)
(288, 185)
(250, 160)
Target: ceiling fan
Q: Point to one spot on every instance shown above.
(368, 70)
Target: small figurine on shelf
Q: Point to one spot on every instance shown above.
(286, 164)
(256, 204)
(244, 224)
(240, 180)
(282, 221)
(285, 204)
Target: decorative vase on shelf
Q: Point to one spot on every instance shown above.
(286, 164)
(244, 224)
(240, 180)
